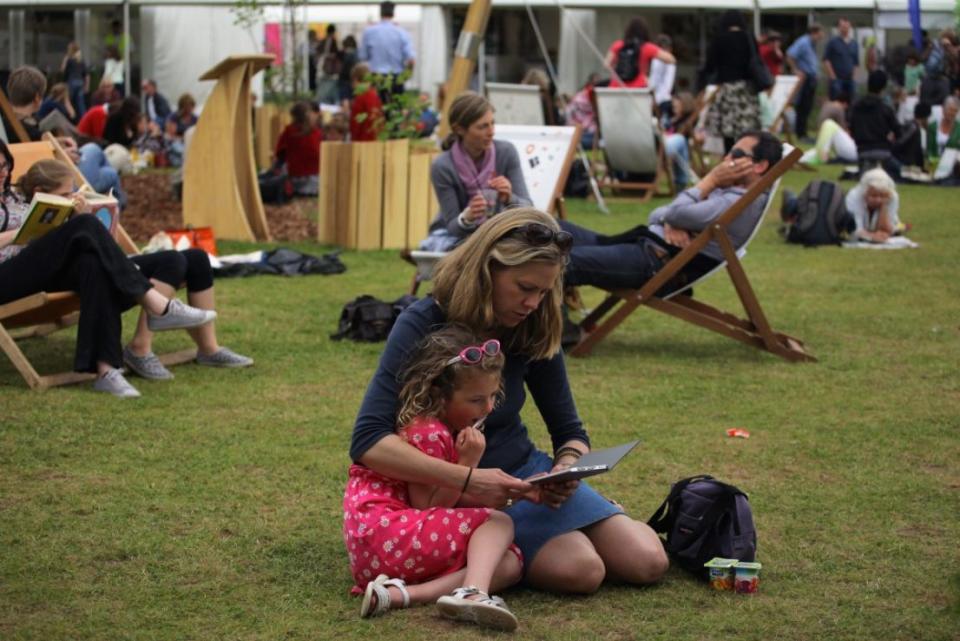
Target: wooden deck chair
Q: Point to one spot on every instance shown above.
(782, 93)
(630, 135)
(755, 330)
(43, 313)
(546, 154)
(712, 145)
(516, 104)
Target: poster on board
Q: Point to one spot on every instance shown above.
(545, 156)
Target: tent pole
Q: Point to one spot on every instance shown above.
(756, 19)
(465, 57)
(128, 90)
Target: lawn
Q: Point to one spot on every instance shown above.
(210, 508)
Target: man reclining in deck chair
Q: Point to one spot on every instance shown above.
(630, 259)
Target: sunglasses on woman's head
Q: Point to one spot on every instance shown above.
(475, 353)
(538, 234)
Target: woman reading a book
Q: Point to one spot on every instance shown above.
(571, 537)
(166, 270)
(82, 257)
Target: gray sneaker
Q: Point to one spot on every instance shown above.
(148, 366)
(114, 383)
(179, 316)
(224, 357)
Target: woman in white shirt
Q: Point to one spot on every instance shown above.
(874, 203)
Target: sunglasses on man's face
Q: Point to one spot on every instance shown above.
(539, 235)
(475, 353)
(740, 153)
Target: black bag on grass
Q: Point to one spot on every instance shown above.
(817, 215)
(368, 319)
(703, 518)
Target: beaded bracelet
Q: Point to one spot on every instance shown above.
(567, 450)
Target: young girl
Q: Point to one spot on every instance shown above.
(421, 534)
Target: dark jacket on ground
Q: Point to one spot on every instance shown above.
(871, 122)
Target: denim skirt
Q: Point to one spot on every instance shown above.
(536, 524)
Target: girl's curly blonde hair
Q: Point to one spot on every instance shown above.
(428, 382)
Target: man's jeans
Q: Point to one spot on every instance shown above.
(679, 155)
(98, 172)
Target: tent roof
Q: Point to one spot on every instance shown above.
(883, 5)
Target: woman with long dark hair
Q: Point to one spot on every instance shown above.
(636, 37)
(736, 108)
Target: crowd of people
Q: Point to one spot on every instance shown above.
(438, 505)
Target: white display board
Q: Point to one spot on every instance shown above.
(783, 88)
(515, 104)
(628, 128)
(545, 156)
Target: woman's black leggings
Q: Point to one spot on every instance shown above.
(82, 257)
(178, 267)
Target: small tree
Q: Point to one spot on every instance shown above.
(401, 112)
(284, 82)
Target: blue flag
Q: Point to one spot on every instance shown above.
(913, 9)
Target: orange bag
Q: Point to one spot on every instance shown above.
(199, 237)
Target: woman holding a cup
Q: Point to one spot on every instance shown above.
(475, 177)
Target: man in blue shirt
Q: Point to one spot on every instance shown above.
(802, 58)
(840, 59)
(387, 48)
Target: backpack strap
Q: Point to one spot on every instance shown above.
(660, 521)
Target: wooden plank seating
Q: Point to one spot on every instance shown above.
(755, 330)
(43, 313)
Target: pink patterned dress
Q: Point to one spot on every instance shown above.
(385, 535)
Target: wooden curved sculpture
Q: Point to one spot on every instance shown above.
(220, 188)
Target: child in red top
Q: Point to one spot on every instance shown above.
(94, 121)
(299, 148)
(423, 535)
(366, 109)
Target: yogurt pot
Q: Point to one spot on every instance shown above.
(721, 572)
(747, 577)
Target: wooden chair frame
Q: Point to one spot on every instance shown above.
(43, 313)
(755, 330)
(661, 172)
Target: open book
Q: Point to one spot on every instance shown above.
(47, 212)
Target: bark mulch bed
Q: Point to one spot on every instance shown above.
(151, 207)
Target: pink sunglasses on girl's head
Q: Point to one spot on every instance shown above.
(475, 353)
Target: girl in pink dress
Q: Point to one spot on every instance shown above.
(411, 543)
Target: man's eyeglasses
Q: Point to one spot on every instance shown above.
(740, 153)
(538, 234)
(475, 353)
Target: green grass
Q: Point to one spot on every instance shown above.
(210, 508)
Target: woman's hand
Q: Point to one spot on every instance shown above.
(470, 445)
(476, 210)
(492, 487)
(80, 204)
(503, 187)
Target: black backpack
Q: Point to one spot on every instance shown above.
(817, 215)
(368, 319)
(703, 518)
(628, 60)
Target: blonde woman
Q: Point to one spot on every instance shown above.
(572, 538)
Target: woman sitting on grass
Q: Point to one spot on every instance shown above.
(167, 271)
(82, 257)
(421, 542)
(874, 204)
(571, 537)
